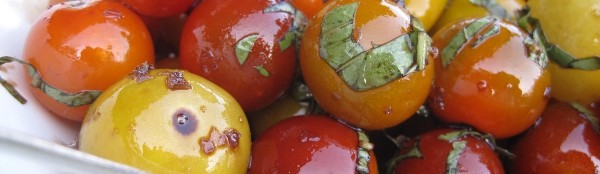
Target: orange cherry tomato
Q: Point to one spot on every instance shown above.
(160, 8)
(82, 46)
(309, 7)
(489, 80)
(375, 25)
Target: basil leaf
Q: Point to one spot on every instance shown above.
(458, 147)
(244, 46)
(262, 71)
(554, 52)
(492, 7)
(462, 37)
(366, 69)
(69, 99)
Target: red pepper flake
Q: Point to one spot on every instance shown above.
(233, 137)
(228, 138)
(175, 81)
(141, 73)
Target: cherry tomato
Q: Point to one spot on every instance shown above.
(160, 8)
(563, 141)
(80, 48)
(428, 11)
(246, 48)
(458, 10)
(286, 107)
(308, 7)
(495, 80)
(447, 151)
(574, 28)
(301, 145)
(362, 68)
(182, 124)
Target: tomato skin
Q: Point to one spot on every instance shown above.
(477, 157)
(308, 7)
(428, 11)
(563, 141)
(301, 145)
(457, 10)
(572, 85)
(372, 109)
(145, 132)
(104, 41)
(160, 8)
(207, 49)
(283, 108)
(493, 87)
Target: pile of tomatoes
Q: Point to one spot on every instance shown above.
(312, 86)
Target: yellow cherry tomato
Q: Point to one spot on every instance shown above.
(457, 10)
(168, 121)
(286, 107)
(428, 11)
(575, 28)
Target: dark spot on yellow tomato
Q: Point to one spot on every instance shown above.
(184, 122)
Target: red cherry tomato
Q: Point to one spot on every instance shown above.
(80, 48)
(563, 141)
(448, 151)
(496, 80)
(246, 48)
(160, 8)
(309, 144)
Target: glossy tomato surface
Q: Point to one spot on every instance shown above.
(558, 23)
(374, 23)
(160, 8)
(489, 83)
(245, 48)
(563, 141)
(458, 10)
(308, 7)
(308, 144)
(433, 152)
(168, 121)
(80, 46)
(428, 11)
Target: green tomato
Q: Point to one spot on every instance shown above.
(168, 121)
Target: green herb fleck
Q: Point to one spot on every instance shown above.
(495, 29)
(491, 6)
(299, 23)
(69, 99)
(462, 37)
(588, 115)
(287, 41)
(262, 71)
(458, 147)
(554, 52)
(244, 46)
